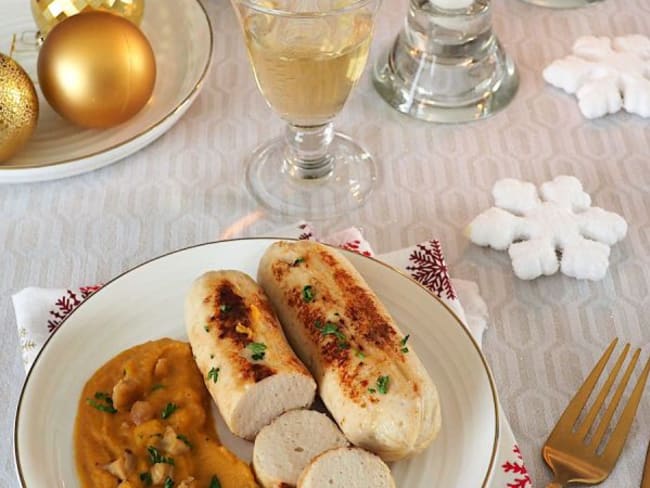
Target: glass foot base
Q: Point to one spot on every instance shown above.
(563, 3)
(410, 98)
(277, 186)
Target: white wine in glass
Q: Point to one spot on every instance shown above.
(307, 56)
(304, 76)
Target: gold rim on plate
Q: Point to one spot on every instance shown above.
(497, 425)
(186, 100)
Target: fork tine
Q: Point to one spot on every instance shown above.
(611, 408)
(595, 408)
(578, 402)
(617, 440)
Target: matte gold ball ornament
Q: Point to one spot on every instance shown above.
(96, 69)
(18, 107)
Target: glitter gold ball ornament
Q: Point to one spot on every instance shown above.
(48, 13)
(96, 69)
(18, 107)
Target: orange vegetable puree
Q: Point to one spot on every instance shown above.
(144, 419)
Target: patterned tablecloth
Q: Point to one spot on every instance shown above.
(188, 187)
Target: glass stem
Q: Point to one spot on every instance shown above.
(307, 151)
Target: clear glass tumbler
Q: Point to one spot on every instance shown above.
(446, 64)
(563, 3)
(307, 55)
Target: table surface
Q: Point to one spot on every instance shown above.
(187, 187)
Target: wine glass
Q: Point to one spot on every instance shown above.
(307, 55)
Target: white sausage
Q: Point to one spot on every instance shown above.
(382, 397)
(239, 347)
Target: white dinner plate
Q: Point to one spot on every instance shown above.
(181, 38)
(147, 303)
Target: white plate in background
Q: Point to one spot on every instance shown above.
(181, 39)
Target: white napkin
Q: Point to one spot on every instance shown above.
(40, 311)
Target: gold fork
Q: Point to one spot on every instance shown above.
(568, 454)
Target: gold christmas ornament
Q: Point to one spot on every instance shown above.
(96, 69)
(18, 107)
(48, 13)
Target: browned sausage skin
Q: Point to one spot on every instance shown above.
(375, 387)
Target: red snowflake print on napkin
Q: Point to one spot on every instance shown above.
(355, 246)
(518, 469)
(66, 304)
(307, 233)
(430, 270)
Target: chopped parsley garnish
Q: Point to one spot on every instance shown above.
(104, 396)
(382, 384)
(106, 406)
(101, 407)
(257, 348)
(169, 409)
(403, 343)
(146, 478)
(155, 457)
(213, 374)
(332, 329)
(214, 482)
(360, 355)
(206, 328)
(372, 390)
(308, 293)
(185, 440)
(157, 386)
(224, 308)
(169, 483)
(297, 261)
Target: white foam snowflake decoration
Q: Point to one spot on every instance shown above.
(606, 75)
(559, 231)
